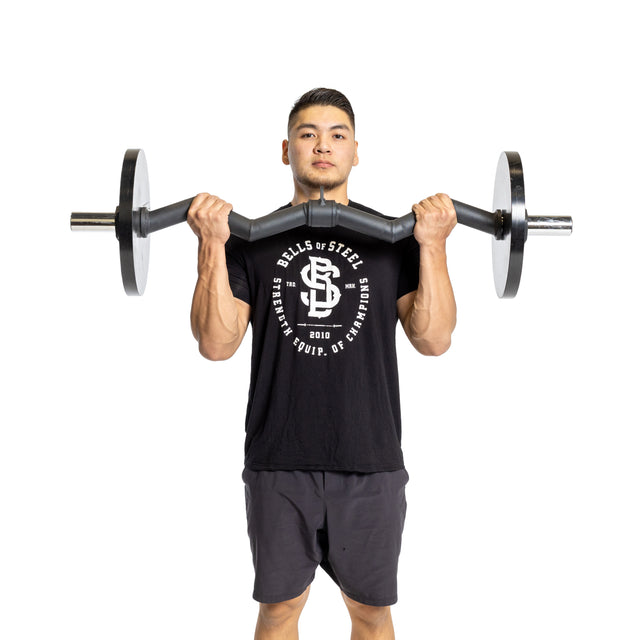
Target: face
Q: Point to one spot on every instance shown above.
(321, 149)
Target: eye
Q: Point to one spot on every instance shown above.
(308, 134)
(339, 136)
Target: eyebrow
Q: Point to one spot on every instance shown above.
(310, 125)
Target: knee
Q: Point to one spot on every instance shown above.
(282, 613)
(374, 617)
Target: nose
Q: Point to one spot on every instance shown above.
(322, 145)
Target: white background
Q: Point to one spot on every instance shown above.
(121, 502)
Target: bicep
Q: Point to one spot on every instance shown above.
(244, 316)
(404, 305)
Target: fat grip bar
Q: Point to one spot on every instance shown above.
(509, 224)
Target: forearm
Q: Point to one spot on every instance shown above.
(432, 318)
(214, 312)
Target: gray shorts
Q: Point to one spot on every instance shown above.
(350, 524)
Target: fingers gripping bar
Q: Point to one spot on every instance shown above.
(134, 222)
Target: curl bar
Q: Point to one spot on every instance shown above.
(509, 224)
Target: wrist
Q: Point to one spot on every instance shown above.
(211, 254)
(433, 249)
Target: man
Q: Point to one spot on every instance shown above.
(324, 471)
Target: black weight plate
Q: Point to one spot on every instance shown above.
(134, 249)
(508, 197)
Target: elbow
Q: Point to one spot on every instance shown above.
(429, 348)
(439, 342)
(432, 338)
(440, 349)
(433, 344)
(216, 352)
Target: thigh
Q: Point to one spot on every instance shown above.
(284, 512)
(365, 520)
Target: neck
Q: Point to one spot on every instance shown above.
(303, 193)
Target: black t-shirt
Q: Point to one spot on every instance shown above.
(324, 391)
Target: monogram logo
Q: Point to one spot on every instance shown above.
(323, 295)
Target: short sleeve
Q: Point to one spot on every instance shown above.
(237, 270)
(409, 276)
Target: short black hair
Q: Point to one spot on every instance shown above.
(324, 98)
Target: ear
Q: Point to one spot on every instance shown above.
(285, 151)
(356, 160)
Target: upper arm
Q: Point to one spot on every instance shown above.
(244, 316)
(404, 305)
(216, 351)
(423, 344)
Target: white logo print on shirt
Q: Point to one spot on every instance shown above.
(307, 289)
(317, 276)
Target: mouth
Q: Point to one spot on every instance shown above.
(322, 164)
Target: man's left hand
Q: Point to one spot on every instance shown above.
(435, 219)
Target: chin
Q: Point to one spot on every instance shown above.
(327, 182)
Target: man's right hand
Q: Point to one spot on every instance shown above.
(208, 218)
(219, 321)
